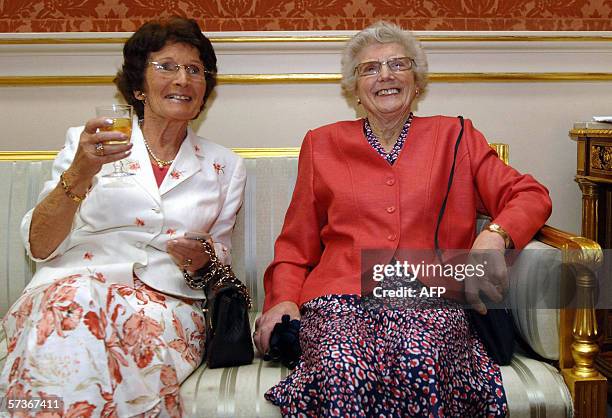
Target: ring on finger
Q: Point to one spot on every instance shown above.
(99, 149)
(188, 262)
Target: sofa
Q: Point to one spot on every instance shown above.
(553, 377)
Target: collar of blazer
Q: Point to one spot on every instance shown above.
(186, 163)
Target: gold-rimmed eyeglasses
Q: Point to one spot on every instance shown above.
(170, 68)
(394, 64)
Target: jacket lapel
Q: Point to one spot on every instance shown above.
(185, 165)
(141, 165)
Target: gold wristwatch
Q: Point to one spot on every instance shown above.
(501, 231)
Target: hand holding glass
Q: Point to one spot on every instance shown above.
(121, 115)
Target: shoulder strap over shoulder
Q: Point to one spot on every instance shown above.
(448, 187)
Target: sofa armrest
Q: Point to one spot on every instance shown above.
(578, 332)
(534, 296)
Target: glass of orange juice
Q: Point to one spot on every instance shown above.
(121, 115)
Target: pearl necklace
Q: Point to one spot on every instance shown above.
(160, 163)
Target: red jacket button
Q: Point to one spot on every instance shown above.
(391, 237)
(390, 182)
(391, 209)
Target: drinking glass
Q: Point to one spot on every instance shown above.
(121, 115)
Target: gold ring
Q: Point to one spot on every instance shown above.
(100, 149)
(188, 262)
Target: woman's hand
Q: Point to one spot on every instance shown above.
(93, 151)
(188, 253)
(488, 250)
(265, 323)
(53, 216)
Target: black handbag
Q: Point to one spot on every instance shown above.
(496, 330)
(496, 327)
(228, 329)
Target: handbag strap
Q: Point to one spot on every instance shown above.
(448, 189)
(216, 275)
(224, 276)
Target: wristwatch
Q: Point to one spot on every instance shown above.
(501, 231)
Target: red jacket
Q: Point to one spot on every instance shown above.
(348, 198)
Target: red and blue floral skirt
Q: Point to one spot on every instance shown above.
(363, 360)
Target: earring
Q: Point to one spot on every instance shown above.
(417, 92)
(358, 100)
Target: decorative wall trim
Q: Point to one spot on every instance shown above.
(267, 152)
(27, 155)
(299, 78)
(243, 152)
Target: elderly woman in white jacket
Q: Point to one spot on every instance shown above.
(108, 324)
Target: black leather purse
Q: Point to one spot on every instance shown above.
(228, 330)
(496, 330)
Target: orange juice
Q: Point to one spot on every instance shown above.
(122, 125)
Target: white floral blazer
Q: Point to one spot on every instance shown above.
(123, 225)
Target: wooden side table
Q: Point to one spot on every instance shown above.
(594, 176)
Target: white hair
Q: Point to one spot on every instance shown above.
(383, 33)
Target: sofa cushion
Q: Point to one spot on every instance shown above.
(535, 389)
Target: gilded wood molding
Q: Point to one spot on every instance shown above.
(278, 78)
(503, 151)
(27, 155)
(586, 251)
(299, 78)
(267, 152)
(243, 152)
(591, 133)
(595, 179)
(590, 210)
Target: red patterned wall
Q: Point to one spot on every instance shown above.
(238, 15)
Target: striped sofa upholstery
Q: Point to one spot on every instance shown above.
(534, 388)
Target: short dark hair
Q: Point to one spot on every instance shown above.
(152, 37)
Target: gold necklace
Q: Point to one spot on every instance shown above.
(160, 163)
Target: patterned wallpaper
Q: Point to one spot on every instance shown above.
(243, 15)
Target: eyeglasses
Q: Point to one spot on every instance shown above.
(395, 65)
(194, 71)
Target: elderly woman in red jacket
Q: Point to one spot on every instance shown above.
(380, 183)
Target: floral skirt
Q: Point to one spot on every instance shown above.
(102, 349)
(372, 361)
